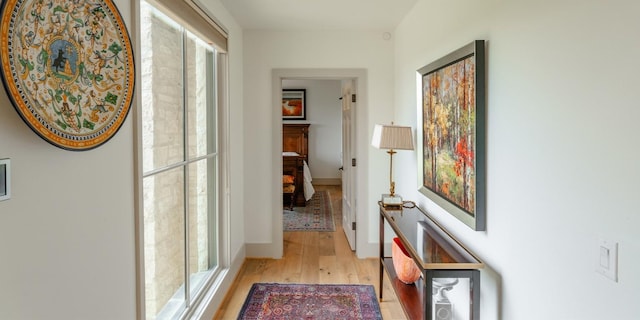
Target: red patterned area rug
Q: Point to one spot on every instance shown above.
(315, 216)
(270, 301)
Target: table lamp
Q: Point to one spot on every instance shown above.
(392, 138)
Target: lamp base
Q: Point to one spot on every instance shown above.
(392, 202)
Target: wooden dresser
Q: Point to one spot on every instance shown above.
(295, 138)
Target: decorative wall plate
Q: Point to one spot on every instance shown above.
(67, 66)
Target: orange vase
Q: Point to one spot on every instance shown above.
(406, 269)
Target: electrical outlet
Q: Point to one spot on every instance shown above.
(607, 263)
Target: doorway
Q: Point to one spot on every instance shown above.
(352, 82)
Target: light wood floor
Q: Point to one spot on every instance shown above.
(312, 257)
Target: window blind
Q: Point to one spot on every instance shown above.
(190, 15)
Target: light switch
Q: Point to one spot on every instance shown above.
(5, 179)
(608, 259)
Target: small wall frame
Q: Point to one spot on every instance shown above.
(294, 104)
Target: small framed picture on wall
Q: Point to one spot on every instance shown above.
(294, 104)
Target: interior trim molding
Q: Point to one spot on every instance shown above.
(275, 248)
(263, 250)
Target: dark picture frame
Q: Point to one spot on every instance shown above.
(451, 147)
(294, 104)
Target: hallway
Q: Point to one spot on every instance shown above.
(312, 257)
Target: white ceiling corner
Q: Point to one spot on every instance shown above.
(319, 14)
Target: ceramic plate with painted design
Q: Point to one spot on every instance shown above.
(68, 68)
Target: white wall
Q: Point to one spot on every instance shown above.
(562, 148)
(269, 50)
(67, 236)
(324, 113)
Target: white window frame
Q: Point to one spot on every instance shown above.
(212, 285)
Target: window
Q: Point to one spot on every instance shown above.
(180, 164)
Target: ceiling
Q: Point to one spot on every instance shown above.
(319, 14)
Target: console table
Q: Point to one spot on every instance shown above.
(449, 287)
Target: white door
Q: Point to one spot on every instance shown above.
(348, 162)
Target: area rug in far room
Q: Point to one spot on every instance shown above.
(270, 301)
(315, 216)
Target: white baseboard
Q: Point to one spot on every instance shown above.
(261, 250)
(369, 250)
(326, 181)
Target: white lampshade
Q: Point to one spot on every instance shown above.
(392, 137)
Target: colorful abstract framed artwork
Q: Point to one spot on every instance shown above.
(294, 104)
(68, 68)
(451, 148)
